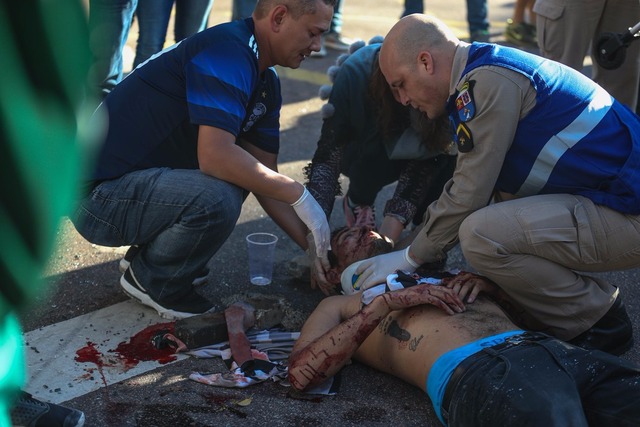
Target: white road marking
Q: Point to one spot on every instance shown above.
(54, 376)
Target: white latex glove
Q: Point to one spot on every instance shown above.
(374, 271)
(310, 212)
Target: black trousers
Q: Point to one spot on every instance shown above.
(542, 381)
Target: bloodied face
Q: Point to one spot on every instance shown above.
(351, 244)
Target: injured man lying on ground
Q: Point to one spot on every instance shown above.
(252, 355)
(478, 367)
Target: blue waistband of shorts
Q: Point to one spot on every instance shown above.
(445, 365)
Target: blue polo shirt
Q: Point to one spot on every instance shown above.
(211, 78)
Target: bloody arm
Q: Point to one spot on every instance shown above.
(328, 341)
(239, 318)
(314, 360)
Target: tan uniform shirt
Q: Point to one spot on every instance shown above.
(502, 97)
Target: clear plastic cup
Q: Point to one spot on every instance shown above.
(261, 248)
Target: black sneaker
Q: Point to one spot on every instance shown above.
(189, 305)
(30, 412)
(480, 36)
(521, 34)
(125, 262)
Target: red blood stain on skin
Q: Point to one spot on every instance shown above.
(128, 354)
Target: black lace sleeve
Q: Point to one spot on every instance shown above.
(420, 183)
(323, 173)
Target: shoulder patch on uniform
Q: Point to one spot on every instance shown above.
(464, 101)
(464, 140)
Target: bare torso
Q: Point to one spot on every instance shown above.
(407, 342)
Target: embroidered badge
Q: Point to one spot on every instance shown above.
(463, 138)
(259, 110)
(464, 101)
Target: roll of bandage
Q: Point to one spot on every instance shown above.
(349, 279)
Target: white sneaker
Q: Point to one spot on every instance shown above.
(190, 305)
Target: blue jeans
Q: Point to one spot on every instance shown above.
(242, 9)
(178, 217)
(109, 23)
(545, 383)
(477, 15)
(413, 6)
(153, 16)
(336, 21)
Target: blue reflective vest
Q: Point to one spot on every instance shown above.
(576, 140)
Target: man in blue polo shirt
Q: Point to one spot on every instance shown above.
(191, 132)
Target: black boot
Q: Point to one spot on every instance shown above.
(613, 333)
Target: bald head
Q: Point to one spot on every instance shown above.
(416, 33)
(416, 60)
